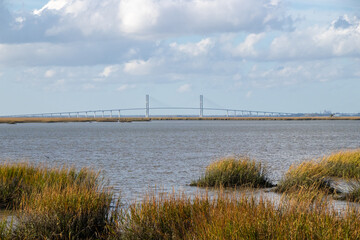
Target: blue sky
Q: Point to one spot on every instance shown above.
(278, 55)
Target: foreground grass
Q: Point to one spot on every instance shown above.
(230, 217)
(62, 203)
(320, 173)
(54, 203)
(232, 172)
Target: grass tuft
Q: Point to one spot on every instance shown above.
(343, 164)
(234, 217)
(320, 173)
(55, 203)
(19, 180)
(233, 172)
(307, 175)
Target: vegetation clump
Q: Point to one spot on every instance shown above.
(62, 203)
(321, 173)
(54, 203)
(343, 164)
(307, 175)
(234, 217)
(20, 180)
(233, 172)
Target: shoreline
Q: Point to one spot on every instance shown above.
(15, 120)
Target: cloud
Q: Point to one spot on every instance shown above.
(184, 88)
(247, 48)
(49, 73)
(72, 20)
(115, 32)
(125, 87)
(297, 73)
(249, 94)
(342, 22)
(108, 71)
(341, 39)
(136, 16)
(194, 49)
(140, 67)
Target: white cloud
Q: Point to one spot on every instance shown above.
(139, 67)
(184, 88)
(125, 87)
(53, 5)
(194, 49)
(341, 39)
(149, 18)
(49, 73)
(249, 94)
(108, 71)
(247, 48)
(135, 16)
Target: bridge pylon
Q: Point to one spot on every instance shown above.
(201, 106)
(147, 104)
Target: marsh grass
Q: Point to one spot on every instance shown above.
(307, 175)
(320, 173)
(68, 204)
(176, 216)
(65, 213)
(55, 203)
(343, 164)
(19, 180)
(234, 172)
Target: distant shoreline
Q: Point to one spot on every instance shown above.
(15, 120)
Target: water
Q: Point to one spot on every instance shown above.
(140, 156)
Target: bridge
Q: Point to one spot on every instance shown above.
(124, 112)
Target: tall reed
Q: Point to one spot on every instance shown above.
(322, 172)
(232, 172)
(55, 203)
(18, 180)
(343, 164)
(232, 217)
(73, 212)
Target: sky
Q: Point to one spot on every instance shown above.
(267, 55)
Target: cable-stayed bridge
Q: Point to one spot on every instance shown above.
(147, 112)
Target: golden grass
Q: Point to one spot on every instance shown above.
(234, 172)
(14, 120)
(343, 164)
(176, 216)
(319, 173)
(18, 180)
(62, 203)
(54, 203)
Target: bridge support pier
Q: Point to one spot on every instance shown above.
(201, 106)
(147, 104)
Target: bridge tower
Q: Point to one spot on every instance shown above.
(147, 106)
(201, 106)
